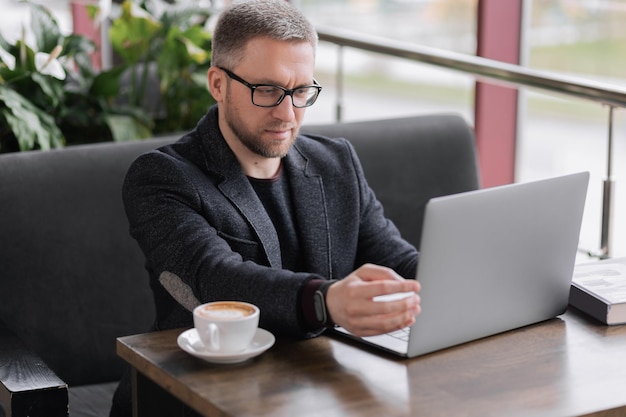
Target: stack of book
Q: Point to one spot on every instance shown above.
(599, 289)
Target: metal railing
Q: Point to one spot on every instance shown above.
(500, 72)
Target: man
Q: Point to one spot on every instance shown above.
(243, 208)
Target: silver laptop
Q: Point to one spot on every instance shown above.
(493, 260)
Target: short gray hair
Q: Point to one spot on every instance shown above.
(247, 20)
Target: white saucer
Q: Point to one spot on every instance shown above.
(190, 342)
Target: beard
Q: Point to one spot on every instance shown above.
(253, 140)
(255, 143)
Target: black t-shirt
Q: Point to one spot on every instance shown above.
(275, 194)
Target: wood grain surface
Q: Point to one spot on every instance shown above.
(567, 366)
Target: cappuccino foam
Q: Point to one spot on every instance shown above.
(226, 311)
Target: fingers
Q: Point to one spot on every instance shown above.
(387, 325)
(354, 302)
(400, 314)
(378, 280)
(371, 272)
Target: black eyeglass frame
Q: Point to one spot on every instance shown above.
(286, 92)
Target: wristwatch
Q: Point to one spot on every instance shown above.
(319, 303)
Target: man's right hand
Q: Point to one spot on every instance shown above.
(350, 301)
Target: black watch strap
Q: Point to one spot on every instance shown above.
(319, 303)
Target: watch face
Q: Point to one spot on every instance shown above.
(320, 308)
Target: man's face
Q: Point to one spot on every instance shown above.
(268, 132)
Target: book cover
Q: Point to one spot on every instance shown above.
(599, 289)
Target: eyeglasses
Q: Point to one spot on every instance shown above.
(268, 95)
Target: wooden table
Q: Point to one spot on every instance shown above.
(568, 366)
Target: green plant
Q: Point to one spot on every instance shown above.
(166, 46)
(50, 94)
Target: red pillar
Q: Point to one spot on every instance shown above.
(496, 107)
(84, 26)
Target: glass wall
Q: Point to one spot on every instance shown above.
(377, 86)
(559, 134)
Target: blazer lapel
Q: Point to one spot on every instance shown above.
(241, 193)
(310, 206)
(219, 159)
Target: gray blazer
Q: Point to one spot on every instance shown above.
(195, 215)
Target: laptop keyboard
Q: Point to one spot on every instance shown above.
(402, 334)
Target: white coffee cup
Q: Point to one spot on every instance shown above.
(226, 326)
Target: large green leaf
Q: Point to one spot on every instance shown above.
(24, 56)
(179, 52)
(199, 36)
(172, 58)
(7, 74)
(45, 28)
(75, 44)
(107, 83)
(51, 87)
(184, 14)
(30, 125)
(125, 128)
(131, 35)
(79, 49)
(197, 54)
(195, 39)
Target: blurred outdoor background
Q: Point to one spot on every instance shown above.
(557, 135)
